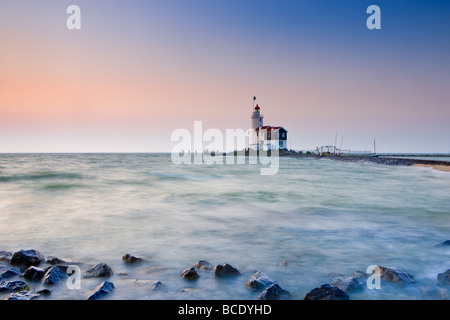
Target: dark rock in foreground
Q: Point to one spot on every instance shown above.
(128, 258)
(326, 292)
(99, 270)
(446, 243)
(44, 292)
(54, 275)
(6, 286)
(190, 274)
(444, 278)
(258, 281)
(274, 292)
(11, 272)
(203, 265)
(63, 268)
(347, 284)
(396, 275)
(26, 258)
(54, 260)
(23, 295)
(34, 273)
(27, 295)
(102, 290)
(225, 270)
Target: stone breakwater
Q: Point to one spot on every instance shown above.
(28, 275)
(390, 161)
(374, 159)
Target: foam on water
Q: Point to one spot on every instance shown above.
(321, 217)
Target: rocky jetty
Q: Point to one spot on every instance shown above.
(26, 275)
(386, 160)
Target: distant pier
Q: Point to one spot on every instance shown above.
(380, 159)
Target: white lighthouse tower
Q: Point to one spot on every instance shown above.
(257, 124)
(257, 118)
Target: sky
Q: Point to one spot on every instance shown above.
(139, 69)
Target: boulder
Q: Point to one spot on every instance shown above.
(128, 258)
(63, 268)
(274, 292)
(34, 273)
(7, 286)
(44, 292)
(190, 274)
(22, 295)
(99, 270)
(396, 275)
(11, 272)
(203, 265)
(26, 258)
(5, 256)
(54, 260)
(102, 290)
(225, 270)
(444, 278)
(326, 292)
(347, 284)
(446, 243)
(150, 285)
(361, 276)
(53, 276)
(258, 281)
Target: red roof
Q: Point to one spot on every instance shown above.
(257, 107)
(269, 128)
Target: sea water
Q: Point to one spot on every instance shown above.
(305, 225)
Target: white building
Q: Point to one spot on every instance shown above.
(266, 137)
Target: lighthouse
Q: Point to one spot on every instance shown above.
(266, 137)
(257, 118)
